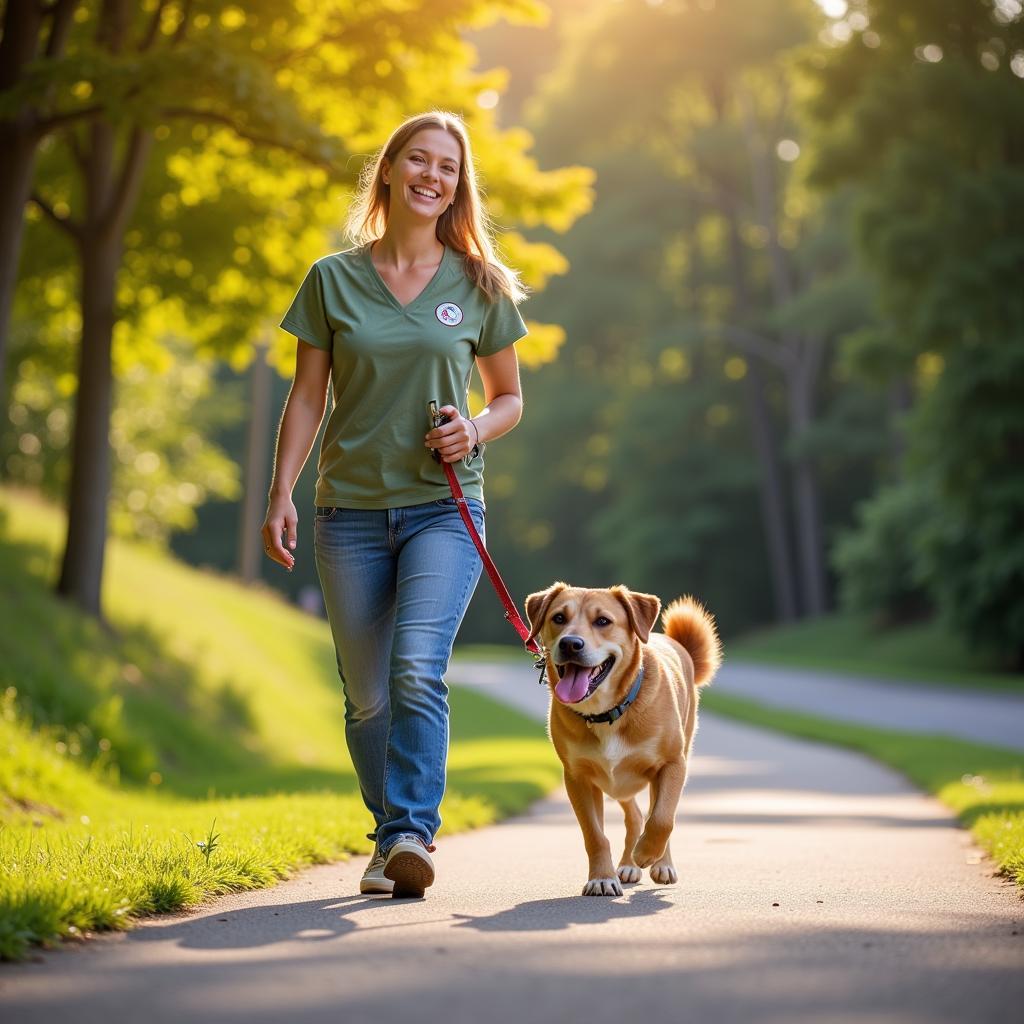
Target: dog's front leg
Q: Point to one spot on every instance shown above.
(588, 803)
(628, 870)
(665, 792)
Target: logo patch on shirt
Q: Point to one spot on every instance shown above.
(449, 314)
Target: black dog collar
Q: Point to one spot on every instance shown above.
(615, 713)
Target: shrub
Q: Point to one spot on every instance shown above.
(877, 560)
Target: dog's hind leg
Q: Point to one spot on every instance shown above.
(628, 870)
(663, 871)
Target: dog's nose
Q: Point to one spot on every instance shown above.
(571, 644)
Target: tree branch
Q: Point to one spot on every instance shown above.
(154, 27)
(72, 227)
(814, 351)
(75, 145)
(260, 140)
(753, 344)
(129, 179)
(45, 125)
(179, 32)
(63, 13)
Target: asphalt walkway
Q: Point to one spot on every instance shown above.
(815, 886)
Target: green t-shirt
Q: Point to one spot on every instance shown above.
(387, 362)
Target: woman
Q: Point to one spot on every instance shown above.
(396, 322)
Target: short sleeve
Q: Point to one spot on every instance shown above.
(501, 327)
(306, 317)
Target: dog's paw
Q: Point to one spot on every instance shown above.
(646, 853)
(602, 887)
(628, 873)
(664, 874)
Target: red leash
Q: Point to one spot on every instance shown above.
(511, 613)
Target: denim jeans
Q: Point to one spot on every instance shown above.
(396, 585)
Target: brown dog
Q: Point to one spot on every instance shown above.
(597, 643)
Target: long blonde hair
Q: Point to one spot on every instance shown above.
(463, 226)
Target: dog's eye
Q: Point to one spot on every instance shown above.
(558, 618)
(601, 620)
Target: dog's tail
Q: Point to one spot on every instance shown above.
(689, 623)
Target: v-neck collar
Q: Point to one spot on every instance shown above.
(389, 294)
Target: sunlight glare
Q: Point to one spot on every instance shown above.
(833, 8)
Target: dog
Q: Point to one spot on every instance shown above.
(623, 714)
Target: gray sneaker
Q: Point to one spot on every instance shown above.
(409, 866)
(373, 880)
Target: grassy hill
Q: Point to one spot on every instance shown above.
(205, 709)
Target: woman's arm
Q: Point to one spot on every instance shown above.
(303, 414)
(499, 374)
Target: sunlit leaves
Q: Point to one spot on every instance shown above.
(541, 345)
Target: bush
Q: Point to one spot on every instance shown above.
(877, 561)
(968, 435)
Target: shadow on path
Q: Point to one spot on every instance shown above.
(322, 920)
(557, 914)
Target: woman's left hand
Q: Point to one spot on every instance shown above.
(454, 439)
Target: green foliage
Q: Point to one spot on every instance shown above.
(877, 560)
(259, 117)
(164, 464)
(969, 432)
(921, 108)
(634, 461)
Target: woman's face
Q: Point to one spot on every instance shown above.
(425, 173)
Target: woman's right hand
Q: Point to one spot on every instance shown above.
(282, 519)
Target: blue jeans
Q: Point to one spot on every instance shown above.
(396, 585)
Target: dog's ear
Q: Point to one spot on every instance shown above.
(642, 610)
(537, 606)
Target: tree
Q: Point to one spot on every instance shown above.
(919, 104)
(32, 32)
(251, 112)
(712, 103)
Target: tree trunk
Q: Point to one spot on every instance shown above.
(82, 569)
(766, 446)
(806, 491)
(19, 148)
(111, 191)
(772, 498)
(805, 357)
(254, 496)
(18, 142)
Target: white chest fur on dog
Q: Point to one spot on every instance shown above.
(613, 749)
(611, 752)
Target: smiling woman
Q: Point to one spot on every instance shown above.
(397, 321)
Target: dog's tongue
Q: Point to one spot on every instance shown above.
(572, 687)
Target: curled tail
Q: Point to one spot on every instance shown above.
(689, 623)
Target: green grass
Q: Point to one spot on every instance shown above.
(502, 653)
(925, 653)
(205, 708)
(983, 785)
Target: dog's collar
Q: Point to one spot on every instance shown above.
(615, 713)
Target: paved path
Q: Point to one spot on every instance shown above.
(815, 887)
(986, 717)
